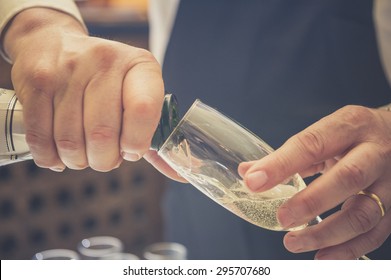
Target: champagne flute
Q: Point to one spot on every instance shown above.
(97, 247)
(165, 251)
(56, 254)
(206, 148)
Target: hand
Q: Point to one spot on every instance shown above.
(86, 101)
(352, 150)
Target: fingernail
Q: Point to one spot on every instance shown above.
(120, 160)
(130, 156)
(293, 243)
(255, 181)
(285, 217)
(57, 169)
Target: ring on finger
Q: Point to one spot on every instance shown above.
(376, 199)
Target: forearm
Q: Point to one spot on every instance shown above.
(30, 22)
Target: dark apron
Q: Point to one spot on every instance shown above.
(276, 67)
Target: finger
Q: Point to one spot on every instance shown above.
(358, 215)
(143, 93)
(38, 121)
(257, 176)
(356, 171)
(380, 189)
(68, 128)
(312, 170)
(102, 120)
(244, 167)
(153, 158)
(361, 245)
(318, 168)
(313, 145)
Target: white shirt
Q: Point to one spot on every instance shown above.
(161, 20)
(382, 17)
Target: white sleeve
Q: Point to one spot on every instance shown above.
(161, 19)
(382, 17)
(10, 8)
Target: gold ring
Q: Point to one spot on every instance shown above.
(375, 198)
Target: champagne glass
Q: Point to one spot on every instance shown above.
(56, 254)
(206, 148)
(97, 247)
(165, 251)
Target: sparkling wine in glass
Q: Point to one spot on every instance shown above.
(206, 148)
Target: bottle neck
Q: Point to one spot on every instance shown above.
(168, 121)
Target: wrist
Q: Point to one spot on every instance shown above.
(34, 21)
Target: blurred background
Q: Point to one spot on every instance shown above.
(41, 209)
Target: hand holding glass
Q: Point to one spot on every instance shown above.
(206, 148)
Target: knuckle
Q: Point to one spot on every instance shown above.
(71, 152)
(42, 79)
(145, 62)
(311, 205)
(100, 136)
(284, 164)
(37, 140)
(106, 54)
(69, 145)
(144, 55)
(359, 219)
(39, 145)
(312, 144)
(71, 64)
(384, 150)
(356, 115)
(352, 176)
(145, 109)
(318, 238)
(385, 157)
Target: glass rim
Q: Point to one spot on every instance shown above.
(183, 119)
(195, 104)
(56, 253)
(152, 250)
(85, 246)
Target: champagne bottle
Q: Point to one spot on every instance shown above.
(13, 145)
